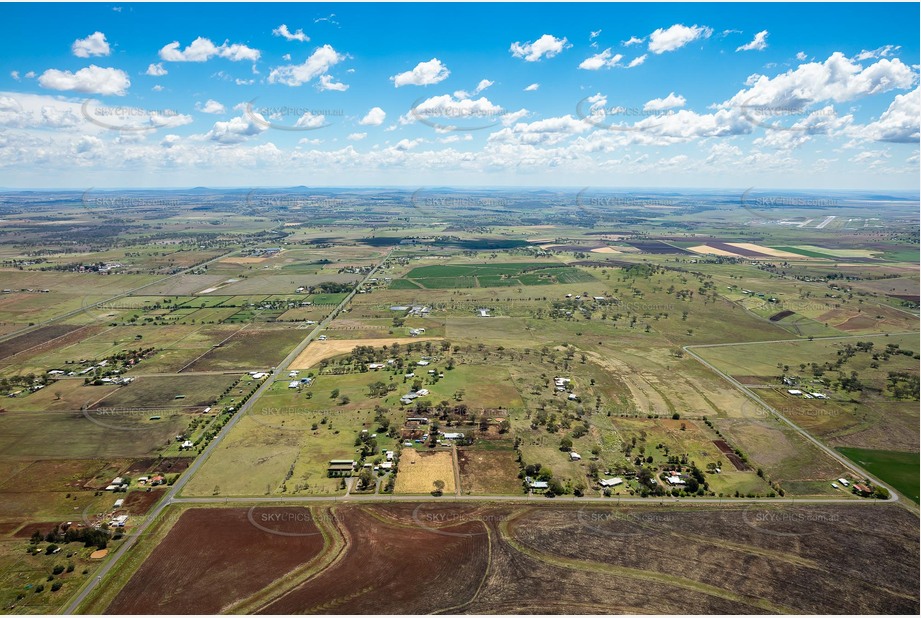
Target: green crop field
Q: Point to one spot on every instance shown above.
(900, 469)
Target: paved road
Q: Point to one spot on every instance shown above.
(613, 501)
(799, 340)
(847, 463)
(70, 314)
(170, 495)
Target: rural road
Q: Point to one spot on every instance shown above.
(174, 490)
(614, 501)
(70, 314)
(172, 494)
(853, 467)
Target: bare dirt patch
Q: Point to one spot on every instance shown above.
(395, 569)
(213, 557)
(139, 502)
(321, 350)
(485, 472)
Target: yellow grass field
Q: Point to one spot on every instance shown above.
(606, 250)
(321, 350)
(243, 260)
(419, 471)
(711, 251)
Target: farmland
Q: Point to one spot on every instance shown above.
(474, 556)
(478, 380)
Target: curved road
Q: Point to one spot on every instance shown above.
(171, 496)
(174, 490)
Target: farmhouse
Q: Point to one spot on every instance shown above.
(293, 384)
(118, 503)
(422, 420)
(536, 485)
(675, 480)
(340, 467)
(119, 522)
(453, 436)
(483, 313)
(574, 456)
(794, 391)
(612, 482)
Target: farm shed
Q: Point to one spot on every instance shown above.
(340, 467)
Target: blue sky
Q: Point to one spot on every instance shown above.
(654, 95)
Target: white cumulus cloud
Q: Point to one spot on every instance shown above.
(210, 107)
(297, 35)
(546, 46)
(374, 118)
(202, 50)
(156, 70)
(669, 102)
(424, 74)
(677, 36)
(758, 43)
(601, 60)
(316, 65)
(92, 80)
(93, 45)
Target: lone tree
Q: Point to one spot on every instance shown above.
(439, 487)
(565, 444)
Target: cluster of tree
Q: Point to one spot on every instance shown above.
(367, 444)
(903, 385)
(90, 537)
(330, 287)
